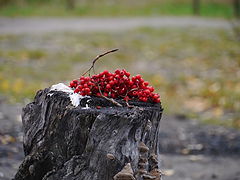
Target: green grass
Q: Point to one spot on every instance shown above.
(195, 70)
(121, 8)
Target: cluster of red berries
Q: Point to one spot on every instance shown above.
(116, 85)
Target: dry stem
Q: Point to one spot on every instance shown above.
(109, 99)
(96, 58)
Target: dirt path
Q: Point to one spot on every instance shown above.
(44, 25)
(201, 167)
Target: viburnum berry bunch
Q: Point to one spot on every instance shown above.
(117, 85)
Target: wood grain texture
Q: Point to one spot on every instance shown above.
(96, 143)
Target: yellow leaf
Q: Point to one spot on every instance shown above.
(196, 104)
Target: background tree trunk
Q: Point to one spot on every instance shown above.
(70, 4)
(97, 143)
(196, 7)
(236, 7)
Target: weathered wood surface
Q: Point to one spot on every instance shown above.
(97, 143)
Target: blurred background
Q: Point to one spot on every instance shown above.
(189, 50)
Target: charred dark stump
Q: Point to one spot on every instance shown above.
(97, 143)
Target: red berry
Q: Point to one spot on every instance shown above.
(146, 83)
(76, 90)
(116, 85)
(72, 84)
(130, 83)
(112, 83)
(105, 72)
(141, 80)
(127, 74)
(147, 91)
(82, 93)
(90, 84)
(155, 96)
(117, 71)
(144, 99)
(113, 95)
(98, 107)
(135, 93)
(108, 86)
(122, 73)
(126, 98)
(82, 78)
(134, 78)
(138, 76)
(87, 90)
(151, 89)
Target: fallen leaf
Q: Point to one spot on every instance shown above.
(168, 172)
(196, 104)
(195, 158)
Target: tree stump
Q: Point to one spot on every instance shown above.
(94, 141)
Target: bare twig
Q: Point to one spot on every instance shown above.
(92, 68)
(112, 101)
(96, 58)
(130, 91)
(128, 105)
(109, 99)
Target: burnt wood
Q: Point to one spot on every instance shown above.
(94, 141)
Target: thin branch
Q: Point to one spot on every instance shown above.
(130, 91)
(92, 67)
(96, 58)
(112, 101)
(109, 99)
(128, 105)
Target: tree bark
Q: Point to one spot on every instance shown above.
(236, 7)
(196, 7)
(94, 141)
(70, 4)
